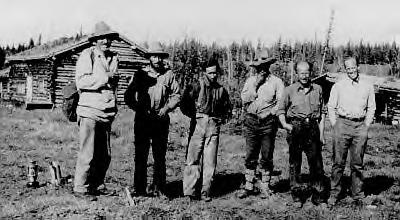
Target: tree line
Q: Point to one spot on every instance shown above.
(9, 50)
(189, 57)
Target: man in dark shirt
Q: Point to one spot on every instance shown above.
(300, 113)
(207, 104)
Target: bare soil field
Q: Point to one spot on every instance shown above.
(44, 136)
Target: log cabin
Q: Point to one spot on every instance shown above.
(37, 76)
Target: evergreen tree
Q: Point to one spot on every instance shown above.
(31, 43)
(2, 57)
(39, 42)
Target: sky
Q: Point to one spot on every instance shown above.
(221, 21)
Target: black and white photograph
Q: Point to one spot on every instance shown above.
(213, 109)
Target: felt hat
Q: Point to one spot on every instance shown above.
(155, 49)
(102, 30)
(263, 60)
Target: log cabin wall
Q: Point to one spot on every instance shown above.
(388, 104)
(130, 61)
(40, 72)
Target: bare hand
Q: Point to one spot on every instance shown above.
(110, 74)
(163, 112)
(322, 139)
(288, 127)
(260, 78)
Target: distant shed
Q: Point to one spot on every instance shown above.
(36, 76)
(4, 78)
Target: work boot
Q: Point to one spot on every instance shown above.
(264, 185)
(205, 197)
(249, 185)
(296, 202)
(334, 199)
(243, 193)
(104, 191)
(85, 196)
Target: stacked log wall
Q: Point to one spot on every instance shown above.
(40, 71)
(391, 101)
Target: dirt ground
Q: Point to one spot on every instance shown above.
(44, 136)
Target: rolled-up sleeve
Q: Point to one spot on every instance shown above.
(371, 106)
(249, 93)
(84, 77)
(283, 102)
(332, 104)
(280, 87)
(175, 96)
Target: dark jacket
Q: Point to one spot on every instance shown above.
(206, 97)
(147, 94)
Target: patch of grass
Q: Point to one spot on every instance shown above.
(45, 135)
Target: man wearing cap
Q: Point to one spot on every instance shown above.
(96, 79)
(207, 104)
(300, 113)
(152, 94)
(351, 109)
(260, 95)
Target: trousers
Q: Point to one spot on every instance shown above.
(260, 137)
(305, 137)
(349, 136)
(150, 129)
(94, 154)
(201, 159)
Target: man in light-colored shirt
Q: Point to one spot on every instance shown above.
(260, 96)
(152, 94)
(96, 79)
(351, 109)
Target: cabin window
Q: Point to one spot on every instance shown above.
(41, 86)
(20, 87)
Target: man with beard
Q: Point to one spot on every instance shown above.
(300, 113)
(351, 109)
(207, 104)
(260, 95)
(152, 94)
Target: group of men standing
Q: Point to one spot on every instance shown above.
(154, 92)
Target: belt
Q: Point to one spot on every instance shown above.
(352, 119)
(269, 117)
(99, 90)
(306, 120)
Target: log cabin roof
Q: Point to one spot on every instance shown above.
(45, 51)
(4, 73)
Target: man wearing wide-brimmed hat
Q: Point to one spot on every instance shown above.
(152, 94)
(96, 78)
(207, 104)
(260, 95)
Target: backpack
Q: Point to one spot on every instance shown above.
(71, 97)
(70, 101)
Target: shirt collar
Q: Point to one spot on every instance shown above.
(356, 81)
(299, 86)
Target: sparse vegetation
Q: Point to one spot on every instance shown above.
(43, 135)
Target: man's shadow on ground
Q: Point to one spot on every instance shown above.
(372, 185)
(223, 183)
